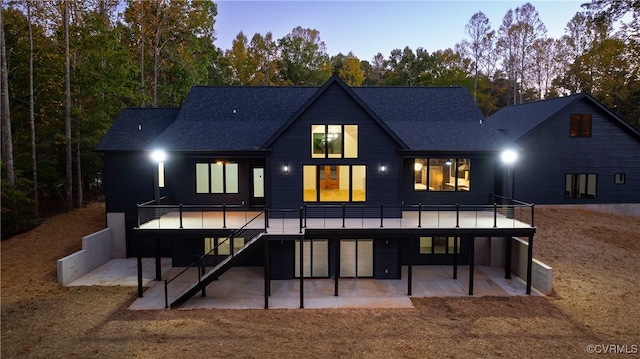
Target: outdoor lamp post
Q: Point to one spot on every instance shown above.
(158, 157)
(509, 157)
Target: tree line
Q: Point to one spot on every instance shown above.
(70, 66)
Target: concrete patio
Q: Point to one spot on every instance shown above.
(243, 287)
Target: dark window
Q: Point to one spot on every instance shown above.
(580, 125)
(580, 185)
(619, 178)
(439, 245)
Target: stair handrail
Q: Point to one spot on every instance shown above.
(202, 257)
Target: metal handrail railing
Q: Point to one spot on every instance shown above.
(200, 262)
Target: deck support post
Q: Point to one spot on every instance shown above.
(455, 257)
(301, 273)
(529, 264)
(139, 276)
(471, 263)
(267, 274)
(507, 258)
(158, 264)
(419, 215)
(336, 270)
(410, 265)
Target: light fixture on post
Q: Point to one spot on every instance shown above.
(158, 157)
(509, 157)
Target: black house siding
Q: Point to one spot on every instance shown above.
(293, 149)
(550, 154)
(181, 180)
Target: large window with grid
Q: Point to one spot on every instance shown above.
(329, 183)
(334, 141)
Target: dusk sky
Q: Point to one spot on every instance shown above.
(369, 27)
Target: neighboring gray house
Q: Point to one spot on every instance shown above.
(575, 151)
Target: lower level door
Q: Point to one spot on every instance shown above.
(315, 258)
(356, 258)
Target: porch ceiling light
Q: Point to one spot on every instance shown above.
(509, 156)
(158, 155)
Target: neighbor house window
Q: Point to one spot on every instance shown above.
(328, 183)
(580, 185)
(580, 125)
(217, 177)
(334, 141)
(439, 245)
(619, 178)
(442, 174)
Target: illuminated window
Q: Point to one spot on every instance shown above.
(334, 141)
(441, 174)
(580, 126)
(216, 177)
(328, 183)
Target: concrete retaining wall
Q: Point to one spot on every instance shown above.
(97, 249)
(541, 274)
(491, 252)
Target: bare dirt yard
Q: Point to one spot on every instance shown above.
(596, 304)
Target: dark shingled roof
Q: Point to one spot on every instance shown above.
(230, 118)
(518, 120)
(245, 118)
(433, 118)
(135, 128)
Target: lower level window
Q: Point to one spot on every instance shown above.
(439, 245)
(329, 183)
(222, 245)
(580, 185)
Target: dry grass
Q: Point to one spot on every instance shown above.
(595, 257)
